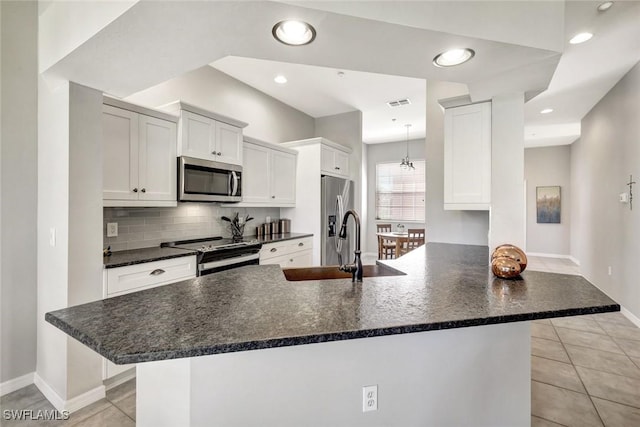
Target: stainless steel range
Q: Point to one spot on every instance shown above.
(218, 254)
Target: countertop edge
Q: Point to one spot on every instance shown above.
(319, 338)
(152, 259)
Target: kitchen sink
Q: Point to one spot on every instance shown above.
(332, 272)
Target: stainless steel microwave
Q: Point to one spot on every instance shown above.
(208, 181)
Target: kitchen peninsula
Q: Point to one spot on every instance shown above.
(446, 344)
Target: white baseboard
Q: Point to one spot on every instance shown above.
(16, 383)
(70, 405)
(545, 255)
(629, 315)
(120, 379)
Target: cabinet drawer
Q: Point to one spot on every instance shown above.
(297, 259)
(271, 250)
(131, 278)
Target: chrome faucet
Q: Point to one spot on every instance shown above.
(356, 267)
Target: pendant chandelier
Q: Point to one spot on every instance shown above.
(407, 164)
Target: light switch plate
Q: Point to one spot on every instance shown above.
(112, 229)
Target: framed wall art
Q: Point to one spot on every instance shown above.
(548, 205)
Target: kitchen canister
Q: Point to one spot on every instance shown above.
(285, 225)
(266, 229)
(275, 227)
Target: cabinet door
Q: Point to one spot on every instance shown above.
(255, 174)
(157, 164)
(283, 178)
(301, 259)
(467, 157)
(327, 161)
(120, 154)
(228, 143)
(341, 163)
(197, 136)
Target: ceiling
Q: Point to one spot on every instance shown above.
(584, 74)
(384, 48)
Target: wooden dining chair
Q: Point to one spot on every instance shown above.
(415, 238)
(386, 247)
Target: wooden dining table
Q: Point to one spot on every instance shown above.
(399, 237)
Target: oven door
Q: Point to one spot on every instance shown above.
(206, 181)
(228, 263)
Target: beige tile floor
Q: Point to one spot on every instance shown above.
(585, 371)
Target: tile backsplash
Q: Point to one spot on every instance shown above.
(148, 227)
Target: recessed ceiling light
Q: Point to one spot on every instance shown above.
(453, 57)
(546, 111)
(605, 6)
(280, 79)
(580, 38)
(294, 33)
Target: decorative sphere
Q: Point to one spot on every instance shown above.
(505, 267)
(512, 252)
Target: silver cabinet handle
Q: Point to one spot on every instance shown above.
(157, 272)
(273, 249)
(219, 153)
(135, 190)
(144, 190)
(273, 197)
(337, 167)
(300, 244)
(213, 152)
(290, 259)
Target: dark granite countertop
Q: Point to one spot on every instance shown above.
(255, 307)
(280, 237)
(139, 256)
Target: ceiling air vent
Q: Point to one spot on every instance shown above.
(399, 102)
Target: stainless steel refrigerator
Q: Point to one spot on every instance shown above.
(336, 199)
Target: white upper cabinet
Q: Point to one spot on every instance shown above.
(206, 135)
(120, 153)
(228, 142)
(256, 174)
(268, 175)
(197, 136)
(334, 162)
(467, 157)
(157, 162)
(283, 178)
(139, 159)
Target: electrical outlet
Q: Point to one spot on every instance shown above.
(52, 237)
(112, 229)
(609, 270)
(370, 398)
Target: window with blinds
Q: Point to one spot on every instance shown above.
(400, 193)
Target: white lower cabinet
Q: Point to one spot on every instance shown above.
(133, 278)
(288, 253)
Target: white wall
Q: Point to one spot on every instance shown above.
(548, 166)
(388, 152)
(465, 227)
(18, 159)
(269, 119)
(70, 206)
(53, 215)
(605, 232)
(507, 222)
